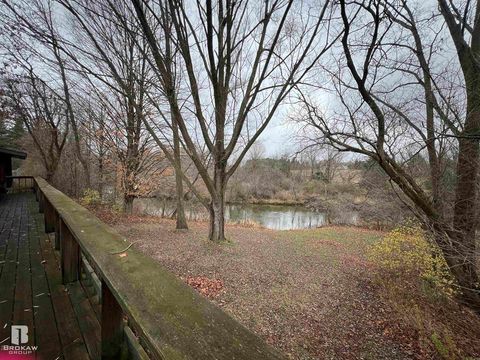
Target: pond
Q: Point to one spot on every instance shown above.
(275, 217)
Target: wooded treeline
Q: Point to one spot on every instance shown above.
(146, 87)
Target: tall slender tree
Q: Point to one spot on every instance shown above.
(237, 64)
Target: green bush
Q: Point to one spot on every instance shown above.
(90, 197)
(446, 348)
(407, 252)
(116, 207)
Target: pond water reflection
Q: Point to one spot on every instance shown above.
(276, 217)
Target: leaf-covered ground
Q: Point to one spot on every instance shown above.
(309, 293)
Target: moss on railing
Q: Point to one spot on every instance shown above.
(172, 320)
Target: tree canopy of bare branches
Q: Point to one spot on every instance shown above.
(404, 87)
(235, 64)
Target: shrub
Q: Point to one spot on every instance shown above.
(90, 197)
(444, 346)
(116, 207)
(408, 252)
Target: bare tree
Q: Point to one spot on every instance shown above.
(43, 115)
(36, 21)
(98, 133)
(399, 101)
(332, 160)
(116, 76)
(239, 61)
(117, 53)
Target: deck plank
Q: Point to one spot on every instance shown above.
(12, 209)
(46, 334)
(23, 305)
(72, 341)
(31, 289)
(89, 324)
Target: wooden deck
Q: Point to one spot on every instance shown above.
(145, 312)
(62, 321)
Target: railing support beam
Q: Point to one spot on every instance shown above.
(112, 325)
(70, 255)
(41, 202)
(58, 224)
(49, 217)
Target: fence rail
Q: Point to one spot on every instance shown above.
(165, 318)
(20, 183)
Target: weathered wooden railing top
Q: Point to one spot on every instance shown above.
(171, 318)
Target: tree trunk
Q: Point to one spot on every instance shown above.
(217, 220)
(86, 170)
(464, 270)
(464, 239)
(100, 176)
(180, 212)
(49, 176)
(433, 159)
(128, 203)
(217, 205)
(128, 189)
(464, 224)
(51, 169)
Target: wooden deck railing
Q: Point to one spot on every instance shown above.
(138, 296)
(20, 183)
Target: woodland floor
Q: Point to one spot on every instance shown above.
(309, 293)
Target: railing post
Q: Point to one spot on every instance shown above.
(35, 189)
(49, 217)
(112, 325)
(58, 222)
(70, 255)
(41, 202)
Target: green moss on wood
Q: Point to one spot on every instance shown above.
(175, 321)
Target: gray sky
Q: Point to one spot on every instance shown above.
(277, 138)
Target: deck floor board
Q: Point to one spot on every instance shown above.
(31, 289)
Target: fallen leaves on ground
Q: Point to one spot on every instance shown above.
(208, 287)
(309, 293)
